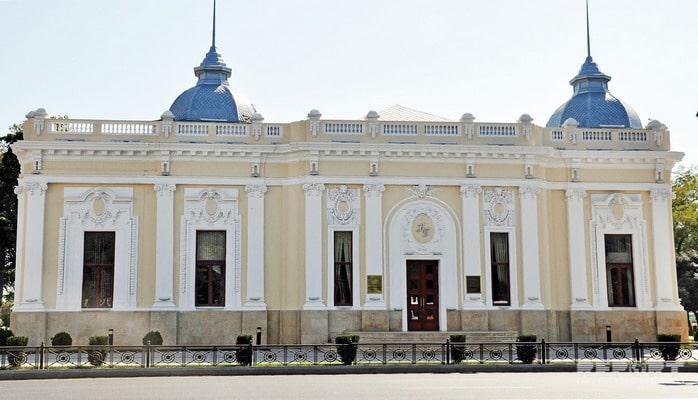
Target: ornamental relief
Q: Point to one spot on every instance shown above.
(617, 211)
(210, 207)
(343, 206)
(499, 207)
(423, 230)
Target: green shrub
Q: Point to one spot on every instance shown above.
(4, 334)
(61, 339)
(347, 345)
(669, 351)
(457, 348)
(17, 357)
(97, 355)
(695, 335)
(244, 352)
(155, 338)
(526, 353)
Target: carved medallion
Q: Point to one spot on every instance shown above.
(423, 228)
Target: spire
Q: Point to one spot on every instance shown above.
(213, 39)
(212, 69)
(588, 41)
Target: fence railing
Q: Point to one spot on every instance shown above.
(52, 357)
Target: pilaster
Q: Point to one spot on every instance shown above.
(164, 247)
(576, 237)
(530, 246)
(472, 261)
(313, 246)
(255, 246)
(661, 236)
(33, 260)
(373, 194)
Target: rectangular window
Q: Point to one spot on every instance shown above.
(619, 270)
(210, 268)
(499, 254)
(343, 290)
(98, 270)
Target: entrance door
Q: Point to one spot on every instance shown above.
(422, 295)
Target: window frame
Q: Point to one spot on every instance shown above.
(99, 269)
(339, 264)
(330, 266)
(620, 267)
(494, 265)
(209, 264)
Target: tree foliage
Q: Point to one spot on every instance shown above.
(685, 213)
(9, 172)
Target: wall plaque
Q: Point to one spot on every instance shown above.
(374, 284)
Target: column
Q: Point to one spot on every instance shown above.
(661, 237)
(33, 260)
(255, 246)
(313, 246)
(164, 246)
(373, 244)
(530, 246)
(577, 249)
(472, 261)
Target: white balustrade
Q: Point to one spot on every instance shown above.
(128, 128)
(498, 130)
(274, 131)
(596, 136)
(557, 136)
(237, 130)
(343, 127)
(192, 129)
(441, 129)
(399, 129)
(632, 136)
(72, 127)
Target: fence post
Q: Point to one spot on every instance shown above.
(41, 356)
(543, 351)
(638, 355)
(252, 355)
(448, 351)
(147, 354)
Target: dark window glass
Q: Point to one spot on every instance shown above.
(98, 270)
(499, 254)
(619, 270)
(472, 284)
(343, 268)
(210, 268)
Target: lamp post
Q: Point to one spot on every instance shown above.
(111, 337)
(609, 334)
(259, 335)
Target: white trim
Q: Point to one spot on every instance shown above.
(164, 247)
(515, 303)
(373, 242)
(80, 215)
(471, 243)
(313, 247)
(225, 217)
(443, 248)
(355, 267)
(605, 222)
(255, 247)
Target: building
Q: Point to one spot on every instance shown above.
(210, 221)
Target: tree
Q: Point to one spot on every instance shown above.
(685, 213)
(9, 172)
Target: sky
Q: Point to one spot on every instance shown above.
(497, 59)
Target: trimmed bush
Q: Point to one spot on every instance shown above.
(62, 339)
(17, 357)
(347, 345)
(4, 334)
(526, 353)
(244, 352)
(457, 348)
(669, 351)
(155, 338)
(695, 335)
(97, 355)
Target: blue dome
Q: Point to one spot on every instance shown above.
(592, 105)
(212, 99)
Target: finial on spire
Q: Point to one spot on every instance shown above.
(213, 39)
(588, 41)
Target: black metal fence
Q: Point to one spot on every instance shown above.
(51, 357)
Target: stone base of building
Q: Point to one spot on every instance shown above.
(317, 326)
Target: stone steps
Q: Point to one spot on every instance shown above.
(434, 337)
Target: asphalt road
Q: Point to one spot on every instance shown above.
(398, 386)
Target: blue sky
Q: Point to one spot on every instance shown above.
(129, 59)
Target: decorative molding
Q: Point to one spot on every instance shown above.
(421, 191)
(343, 206)
(256, 190)
(575, 194)
(661, 195)
(165, 189)
(529, 191)
(313, 189)
(97, 209)
(210, 209)
(471, 191)
(374, 189)
(499, 207)
(34, 188)
(422, 229)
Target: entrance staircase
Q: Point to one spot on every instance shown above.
(434, 337)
